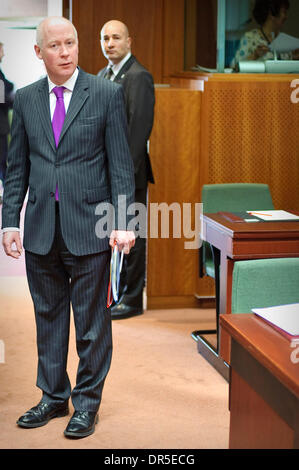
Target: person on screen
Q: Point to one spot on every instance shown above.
(270, 15)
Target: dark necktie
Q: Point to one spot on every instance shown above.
(58, 119)
(108, 73)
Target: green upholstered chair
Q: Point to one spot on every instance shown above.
(227, 197)
(236, 197)
(264, 283)
(231, 197)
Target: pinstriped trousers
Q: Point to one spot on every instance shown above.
(57, 281)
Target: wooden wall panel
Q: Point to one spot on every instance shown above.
(88, 45)
(248, 131)
(172, 270)
(249, 135)
(156, 27)
(244, 131)
(173, 37)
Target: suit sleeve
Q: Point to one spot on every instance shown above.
(17, 174)
(140, 111)
(120, 165)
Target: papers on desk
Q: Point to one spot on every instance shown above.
(272, 216)
(285, 318)
(259, 216)
(116, 263)
(284, 43)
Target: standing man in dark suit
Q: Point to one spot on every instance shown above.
(138, 86)
(4, 123)
(69, 148)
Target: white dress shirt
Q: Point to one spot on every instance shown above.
(116, 67)
(67, 95)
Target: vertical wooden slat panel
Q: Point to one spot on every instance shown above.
(144, 20)
(173, 37)
(83, 21)
(172, 269)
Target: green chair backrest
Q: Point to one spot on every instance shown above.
(232, 197)
(236, 197)
(264, 283)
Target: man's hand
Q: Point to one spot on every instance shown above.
(125, 240)
(9, 239)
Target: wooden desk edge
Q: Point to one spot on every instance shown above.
(241, 229)
(226, 322)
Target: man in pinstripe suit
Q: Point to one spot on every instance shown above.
(67, 264)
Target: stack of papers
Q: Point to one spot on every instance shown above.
(116, 263)
(283, 317)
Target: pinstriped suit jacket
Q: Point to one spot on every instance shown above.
(92, 163)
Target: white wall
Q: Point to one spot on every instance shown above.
(17, 8)
(55, 7)
(20, 64)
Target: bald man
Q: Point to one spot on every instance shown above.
(69, 149)
(137, 82)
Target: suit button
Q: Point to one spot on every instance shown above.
(52, 194)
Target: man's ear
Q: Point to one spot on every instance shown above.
(38, 51)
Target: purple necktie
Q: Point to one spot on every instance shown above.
(58, 119)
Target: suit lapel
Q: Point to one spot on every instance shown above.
(79, 96)
(121, 74)
(43, 108)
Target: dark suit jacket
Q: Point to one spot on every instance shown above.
(139, 92)
(91, 164)
(4, 107)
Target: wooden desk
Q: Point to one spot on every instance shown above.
(245, 240)
(264, 385)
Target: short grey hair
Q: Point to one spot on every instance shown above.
(54, 19)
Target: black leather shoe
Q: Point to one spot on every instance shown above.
(42, 413)
(81, 424)
(122, 310)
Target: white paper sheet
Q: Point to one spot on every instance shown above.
(274, 215)
(284, 43)
(286, 317)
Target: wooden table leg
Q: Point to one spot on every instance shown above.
(226, 278)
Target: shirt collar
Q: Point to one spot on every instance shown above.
(116, 67)
(69, 84)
